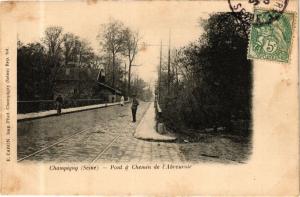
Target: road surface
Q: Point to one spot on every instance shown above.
(106, 135)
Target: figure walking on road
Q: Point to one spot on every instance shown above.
(122, 101)
(59, 103)
(134, 107)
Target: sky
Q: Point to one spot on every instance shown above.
(154, 20)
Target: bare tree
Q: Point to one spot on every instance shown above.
(78, 50)
(69, 42)
(131, 40)
(53, 40)
(85, 53)
(111, 39)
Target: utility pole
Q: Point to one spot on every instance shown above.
(169, 62)
(125, 85)
(159, 77)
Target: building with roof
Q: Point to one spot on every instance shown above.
(84, 83)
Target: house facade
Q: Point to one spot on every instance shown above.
(76, 83)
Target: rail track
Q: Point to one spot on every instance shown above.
(115, 139)
(69, 137)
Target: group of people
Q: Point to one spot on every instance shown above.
(134, 105)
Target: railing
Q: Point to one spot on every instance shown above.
(158, 112)
(44, 105)
(159, 117)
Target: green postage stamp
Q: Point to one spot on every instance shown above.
(271, 36)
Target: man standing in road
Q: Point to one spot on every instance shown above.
(59, 103)
(134, 107)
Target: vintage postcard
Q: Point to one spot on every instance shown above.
(152, 98)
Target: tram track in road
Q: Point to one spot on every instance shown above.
(73, 135)
(54, 144)
(105, 149)
(117, 137)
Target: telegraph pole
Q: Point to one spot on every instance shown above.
(125, 85)
(169, 61)
(159, 77)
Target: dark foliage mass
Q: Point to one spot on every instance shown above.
(210, 82)
(33, 81)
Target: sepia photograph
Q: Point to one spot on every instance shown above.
(153, 98)
(107, 89)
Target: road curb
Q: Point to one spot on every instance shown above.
(69, 112)
(158, 138)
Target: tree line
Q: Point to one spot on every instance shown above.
(40, 62)
(210, 80)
